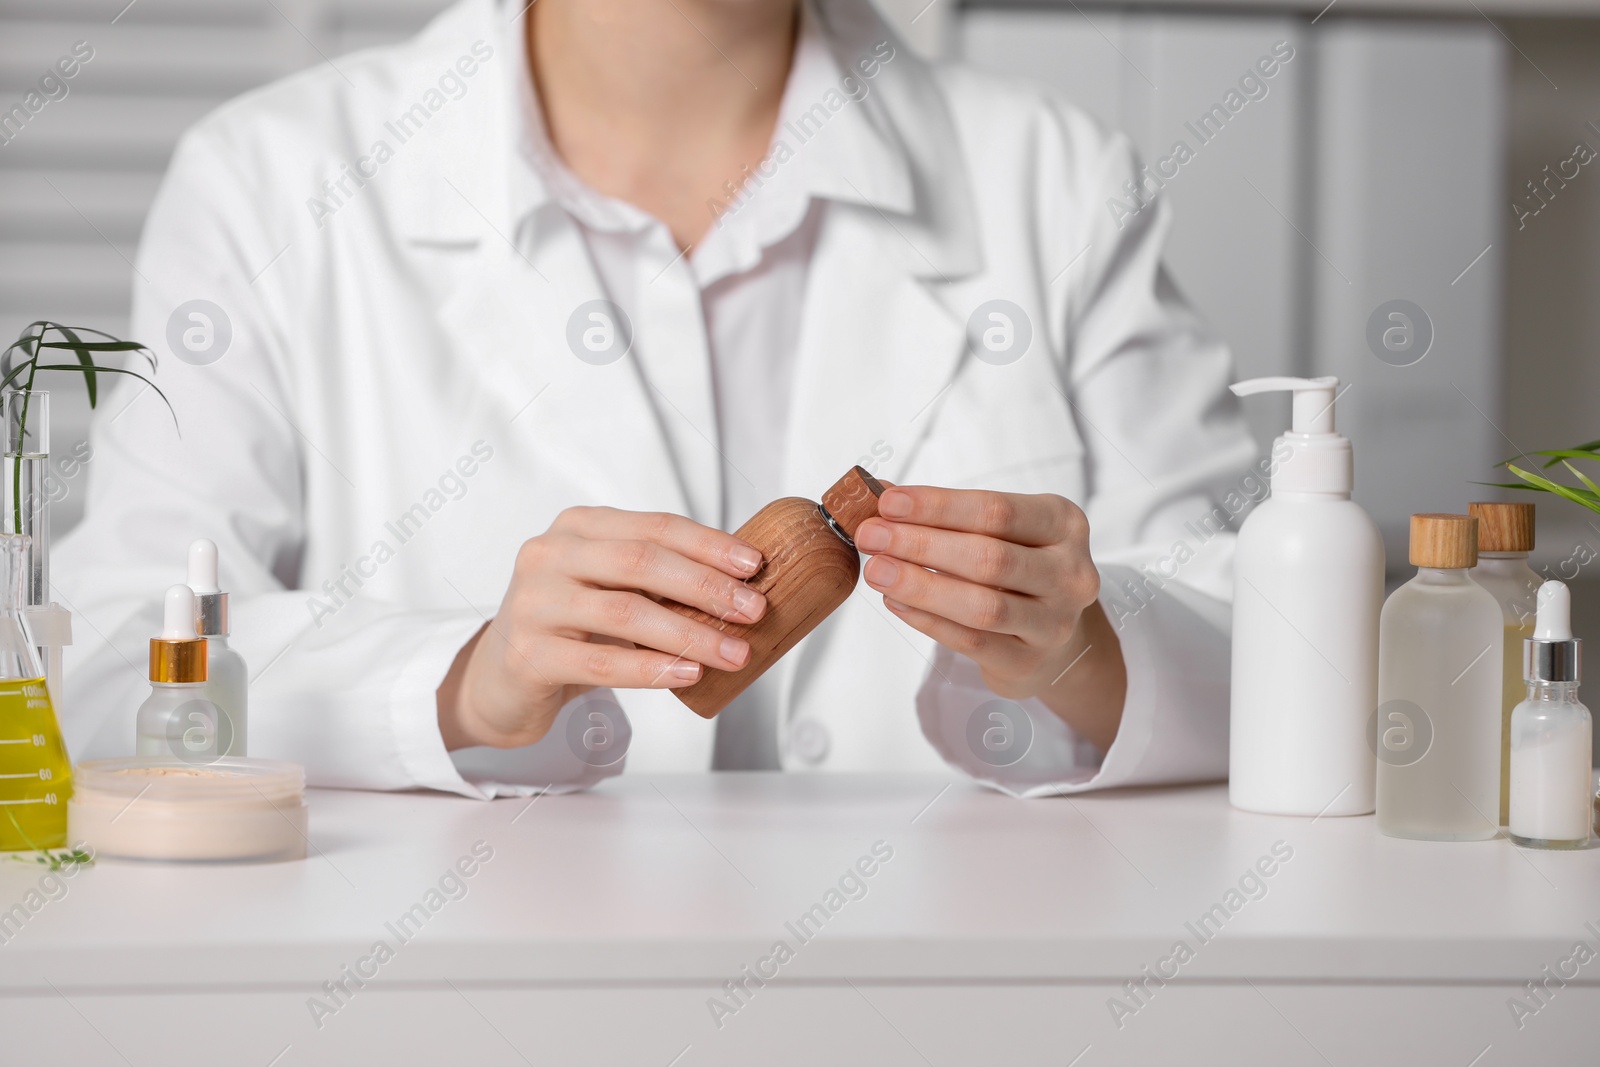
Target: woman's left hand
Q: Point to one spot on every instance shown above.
(1007, 581)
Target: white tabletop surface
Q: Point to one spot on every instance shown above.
(686, 878)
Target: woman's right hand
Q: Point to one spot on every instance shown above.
(579, 613)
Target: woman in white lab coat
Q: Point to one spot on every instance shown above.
(477, 343)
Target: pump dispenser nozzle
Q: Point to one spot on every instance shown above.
(1313, 399)
(1552, 654)
(1311, 457)
(179, 654)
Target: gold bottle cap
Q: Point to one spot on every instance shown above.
(1503, 527)
(179, 654)
(178, 661)
(1446, 541)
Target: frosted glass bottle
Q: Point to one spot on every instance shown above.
(1505, 537)
(1437, 728)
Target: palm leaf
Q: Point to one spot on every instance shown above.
(1586, 498)
(1578, 474)
(85, 360)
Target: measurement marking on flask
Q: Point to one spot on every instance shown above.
(29, 774)
(32, 800)
(16, 741)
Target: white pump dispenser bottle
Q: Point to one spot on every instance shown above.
(228, 683)
(1308, 588)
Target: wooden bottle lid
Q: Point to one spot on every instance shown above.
(1449, 541)
(853, 500)
(1503, 527)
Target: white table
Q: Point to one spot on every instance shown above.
(996, 934)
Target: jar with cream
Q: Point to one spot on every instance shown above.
(172, 809)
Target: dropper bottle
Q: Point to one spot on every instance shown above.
(227, 682)
(177, 719)
(1551, 733)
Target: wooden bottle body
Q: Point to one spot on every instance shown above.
(809, 570)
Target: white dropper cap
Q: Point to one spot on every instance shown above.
(1554, 619)
(203, 566)
(177, 619)
(1552, 654)
(210, 602)
(178, 655)
(1318, 459)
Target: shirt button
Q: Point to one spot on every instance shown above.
(809, 741)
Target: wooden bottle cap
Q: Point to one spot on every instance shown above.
(1448, 541)
(1503, 527)
(853, 500)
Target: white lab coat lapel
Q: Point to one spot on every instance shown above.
(528, 276)
(511, 315)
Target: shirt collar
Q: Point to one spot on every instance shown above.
(828, 144)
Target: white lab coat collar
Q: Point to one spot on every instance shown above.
(824, 146)
(903, 158)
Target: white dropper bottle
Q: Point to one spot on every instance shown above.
(1308, 587)
(176, 719)
(228, 684)
(1551, 734)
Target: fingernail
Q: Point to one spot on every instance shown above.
(872, 537)
(881, 571)
(687, 672)
(745, 557)
(895, 605)
(894, 505)
(748, 602)
(734, 651)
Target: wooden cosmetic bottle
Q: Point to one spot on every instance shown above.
(809, 567)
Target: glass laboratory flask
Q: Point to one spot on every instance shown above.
(35, 774)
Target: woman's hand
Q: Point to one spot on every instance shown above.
(579, 614)
(1005, 580)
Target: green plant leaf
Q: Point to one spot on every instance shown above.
(85, 360)
(1558, 454)
(1578, 474)
(115, 370)
(1577, 496)
(92, 346)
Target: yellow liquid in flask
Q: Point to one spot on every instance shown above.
(35, 774)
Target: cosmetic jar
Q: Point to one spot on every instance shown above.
(150, 808)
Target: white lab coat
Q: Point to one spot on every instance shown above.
(397, 409)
